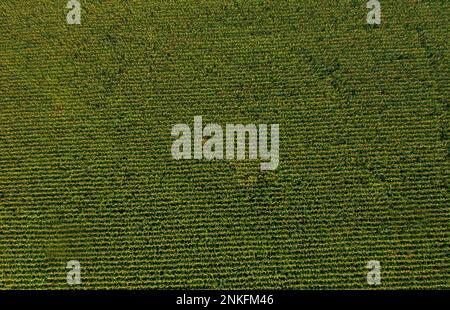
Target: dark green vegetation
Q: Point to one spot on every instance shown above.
(86, 171)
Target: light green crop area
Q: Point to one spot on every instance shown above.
(86, 171)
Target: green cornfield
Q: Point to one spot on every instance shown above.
(86, 171)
